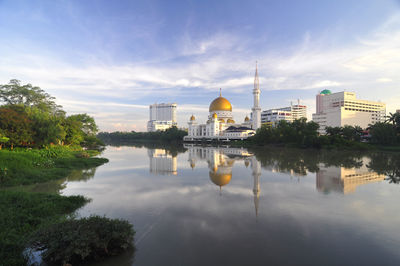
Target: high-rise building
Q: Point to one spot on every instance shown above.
(343, 108)
(162, 116)
(289, 114)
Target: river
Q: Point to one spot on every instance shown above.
(233, 206)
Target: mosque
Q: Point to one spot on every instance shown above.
(221, 125)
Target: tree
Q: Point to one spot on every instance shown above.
(3, 140)
(333, 131)
(14, 93)
(16, 125)
(352, 133)
(394, 118)
(383, 133)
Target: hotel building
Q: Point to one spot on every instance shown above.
(162, 116)
(343, 108)
(289, 114)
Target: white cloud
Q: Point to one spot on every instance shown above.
(223, 60)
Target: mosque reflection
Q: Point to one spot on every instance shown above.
(220, 162)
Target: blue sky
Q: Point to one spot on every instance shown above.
(111, 59)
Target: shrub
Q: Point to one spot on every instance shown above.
(86, 239)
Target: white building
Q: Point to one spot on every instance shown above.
(162, 116)
(289, 114)
(221, 125)
(343, 108)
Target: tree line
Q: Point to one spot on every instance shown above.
(29, 117)
(305, 134)
(172, 134)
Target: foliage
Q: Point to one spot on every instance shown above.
(299, 132)
(383, 133)
(76, 241)
(29, 117)
(22, 213)
(14, 93)
(172, 134)
(16, 125)
(26, 167)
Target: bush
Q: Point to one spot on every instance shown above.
(87, 239)
(22, 213)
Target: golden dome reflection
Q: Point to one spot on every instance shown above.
(220, 104)
(220, 179)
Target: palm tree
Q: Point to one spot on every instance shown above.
(394, 118)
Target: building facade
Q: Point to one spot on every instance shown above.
(343, 108)
(162, 116)
(289, 114)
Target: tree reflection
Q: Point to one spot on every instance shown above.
(387, 164)
(302, 161)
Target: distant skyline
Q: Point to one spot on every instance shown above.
(113, 59)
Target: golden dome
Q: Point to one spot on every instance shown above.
(246, 119)
(230, 121)
(220, 104)
(192, 165)
(221, 120)
(214, 115)
(192, 118)
(220, 179)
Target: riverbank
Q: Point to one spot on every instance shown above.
(24, 212)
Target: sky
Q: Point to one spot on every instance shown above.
(112, 59)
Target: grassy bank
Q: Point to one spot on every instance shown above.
(24, 212)
(25, 167)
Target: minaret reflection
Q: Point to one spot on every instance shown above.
(220, 162)
(256, 172)
(162, 162)
(345, 180)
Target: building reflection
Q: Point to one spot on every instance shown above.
(220, 162)
(345, 180)
(162, 162)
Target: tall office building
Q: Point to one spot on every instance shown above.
(162, 116)
(289, 114)
(343, 108)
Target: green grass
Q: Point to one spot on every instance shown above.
(33, 166)
(22, 213)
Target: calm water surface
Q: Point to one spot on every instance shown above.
(231, 206)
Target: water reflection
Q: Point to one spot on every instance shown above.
(220, 161)
(345, 180)
(234, 206)
(162, 162)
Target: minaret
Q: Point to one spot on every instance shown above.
(256, 110)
